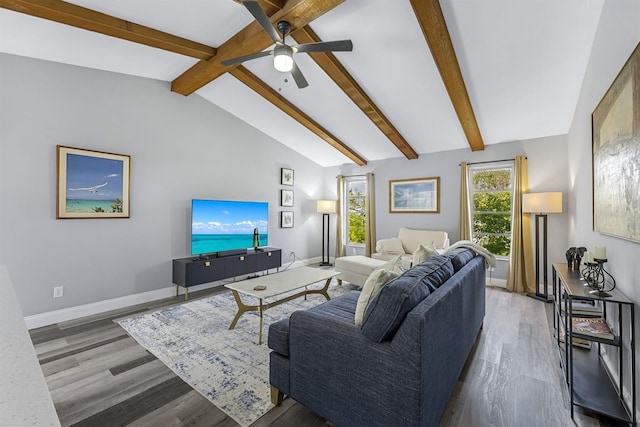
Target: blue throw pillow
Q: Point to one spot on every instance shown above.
(388, 309)
(460, 257)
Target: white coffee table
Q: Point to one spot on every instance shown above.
(277, 284)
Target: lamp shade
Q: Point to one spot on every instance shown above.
(542, 202)
(326, 206)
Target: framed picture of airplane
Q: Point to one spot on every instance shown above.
(92, 184)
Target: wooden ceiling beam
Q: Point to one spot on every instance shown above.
(269, 6)
(334, 69)
(264, 90)
(81, 17)
(434, 28)
(249, 40)
(300, 12)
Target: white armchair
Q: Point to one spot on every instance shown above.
(407, 242)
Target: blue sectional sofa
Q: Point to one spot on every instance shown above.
(401, 366)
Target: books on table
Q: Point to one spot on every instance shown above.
(584, 308)
(577, 341)
(592, 326)
(581, 342)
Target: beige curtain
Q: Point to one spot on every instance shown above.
(521, 277)
(464, 227)
(370, 216)
(342, 212)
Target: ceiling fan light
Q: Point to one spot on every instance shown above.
(282, 60)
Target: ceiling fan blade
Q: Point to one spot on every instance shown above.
(239, 59)
(262, 18)
(301, 82)
(335, 46)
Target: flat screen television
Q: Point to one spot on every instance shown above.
(226, 226)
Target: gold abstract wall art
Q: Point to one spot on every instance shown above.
(616, 155)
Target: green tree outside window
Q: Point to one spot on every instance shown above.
(492, 209)
(356, 219)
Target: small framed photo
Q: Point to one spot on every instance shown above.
(91, 184)
(286, 219)
(286, 176)
(416, 195)
(286, 197)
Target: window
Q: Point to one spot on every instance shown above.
(492, 199)
(355, 222)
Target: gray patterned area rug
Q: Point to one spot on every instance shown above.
(227, 367)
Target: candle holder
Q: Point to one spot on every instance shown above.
(596, 277)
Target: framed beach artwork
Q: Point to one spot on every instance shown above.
(286, 197)
(286, 176)
(92, 184)
(616, 155)
(286, 219)
(415, 195)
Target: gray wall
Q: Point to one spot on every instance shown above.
(547, 159)
(618, 34)
(181, 148)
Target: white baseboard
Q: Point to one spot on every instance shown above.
(65, 314)
(500, 283)
(302, 262)
(57, 316)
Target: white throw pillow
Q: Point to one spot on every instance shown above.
(423, 253)
(394, 264)
(376, 280)
(390, 246)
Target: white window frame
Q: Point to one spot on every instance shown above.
(480, 167)
(347, 181)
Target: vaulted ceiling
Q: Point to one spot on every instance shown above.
(424, 76)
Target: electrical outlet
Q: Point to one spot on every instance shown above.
(292, 254)
(58, 292)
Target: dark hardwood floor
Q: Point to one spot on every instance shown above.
(99, 376)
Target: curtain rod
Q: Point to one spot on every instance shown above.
(351, 176)
(490, 161)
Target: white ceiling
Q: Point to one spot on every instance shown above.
(523, 62)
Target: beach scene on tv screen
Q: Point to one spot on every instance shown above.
(226, 225)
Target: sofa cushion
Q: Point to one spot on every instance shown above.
(389, 307)
(423, 253)
(433, 272)
(372, 286)
(412, 238)
(342, 308)
(460, 257)
(278, 339)
(390, 246)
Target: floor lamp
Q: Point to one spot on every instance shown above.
(541, 204)
(325, 207)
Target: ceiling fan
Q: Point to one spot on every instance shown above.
(282, 52)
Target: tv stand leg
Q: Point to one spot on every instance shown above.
(186, 292)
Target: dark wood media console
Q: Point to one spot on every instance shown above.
(196, 271)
